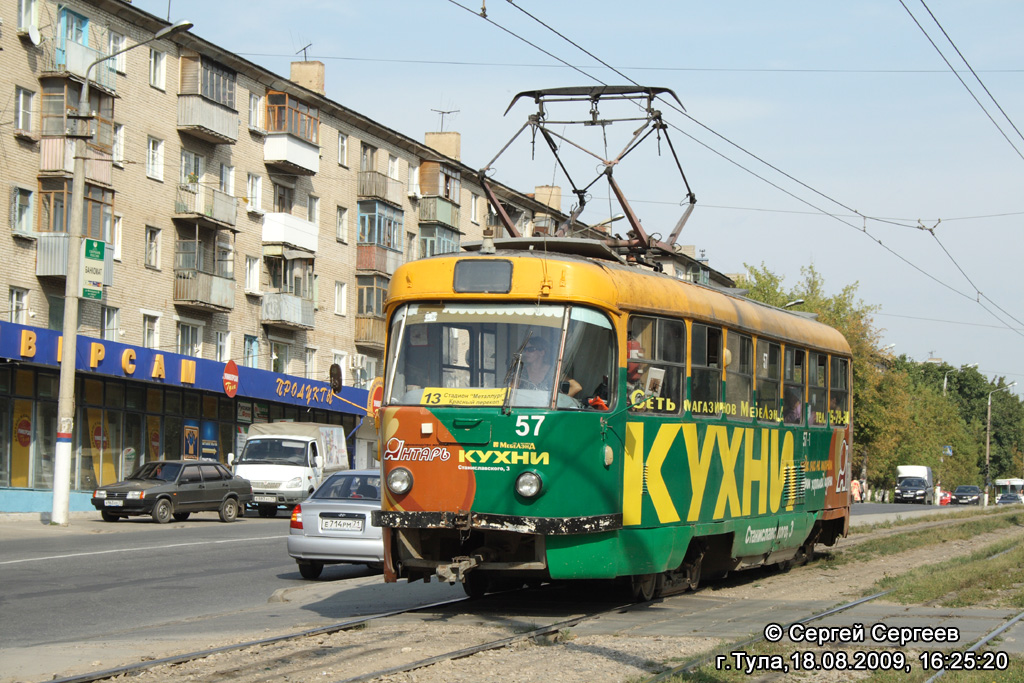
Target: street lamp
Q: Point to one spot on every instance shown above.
(946, 376)
(794, 302)
(988, 434)
(69, 340)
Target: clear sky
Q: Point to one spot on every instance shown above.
(844, 106)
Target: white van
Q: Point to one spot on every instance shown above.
(286, 461)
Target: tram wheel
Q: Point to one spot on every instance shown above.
(643, 587)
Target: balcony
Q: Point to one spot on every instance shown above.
(57, 155)
(206, 120)
(288, 230)
(378, 186)
(71, 57)
(203, 290)
(289, 154)
(52, 257)
(378, 259)
(209, 207)
(439, 210)
(287, 310)
(370, 331)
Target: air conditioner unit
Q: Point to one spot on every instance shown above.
(355, 361)
(413, 194)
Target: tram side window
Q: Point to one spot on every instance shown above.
(839, 393)
(706, 370)
(739, 373)
(793, 381)
(589, 359)
(817, 380)
(769, 375)
(656, 363)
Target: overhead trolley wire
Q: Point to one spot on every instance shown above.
(863, 230)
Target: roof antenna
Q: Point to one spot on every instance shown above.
(443, 113)
(303, 51)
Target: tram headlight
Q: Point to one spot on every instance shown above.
(399, 480)
(528, 484)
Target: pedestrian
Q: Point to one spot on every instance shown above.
(855, 490)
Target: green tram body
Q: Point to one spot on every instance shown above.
(642, 486)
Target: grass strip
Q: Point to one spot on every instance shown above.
(911, 540)
(924, 518)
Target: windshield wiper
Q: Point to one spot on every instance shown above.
(515, 368)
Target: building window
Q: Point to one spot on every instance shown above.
(435, 239)
(222, 339)
(253, 192)
(341, 298)
(116, 43)
(372, 291)
(380, 224)
(414, 180)
(192, 166)
(18, 305)
(342, 225)
(157, 69)
(118, 149)
(227, 179)
(474, 200)
(217, 83)
(55, 318)
(155, 158)
(313, 209)
(21, 212)
(310, 363)
(255, 111)
(251, 352)
(284, 198)
(392, 167)
(341, 360)
(451, 184)
(55, 199)
(23, 101)
(279, 357)
(367, 157)
(75, 27)
(287, 114)
(189, 343)
(152, 247)
(252, 274)
(26, 14)
(109, 323)
(342, 149)
(150, 331)
(116, 234)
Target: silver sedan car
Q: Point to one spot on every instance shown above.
(332, 526)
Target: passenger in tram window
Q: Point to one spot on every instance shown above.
(794, 406)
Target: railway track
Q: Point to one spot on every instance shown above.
(388, 644)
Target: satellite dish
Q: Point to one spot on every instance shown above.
(33, 34)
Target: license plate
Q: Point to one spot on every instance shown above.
(265, 499)
(113, 503)
(341, 524)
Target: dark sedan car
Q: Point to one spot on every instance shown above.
(173, 489)
(966, 495)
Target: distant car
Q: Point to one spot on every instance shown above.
(945, 497)
(332, 526)
(966, 495)
(174, 489)
(1009, 499)
(914, 490)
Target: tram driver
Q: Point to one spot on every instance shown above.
(539, 369)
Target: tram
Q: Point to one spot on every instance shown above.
(557, 408)
(682, 431)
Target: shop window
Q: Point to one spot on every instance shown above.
(227, 409)
(190, 404)
(24, 383)
(209, 407)
(172, 438)
(135, 397)
(154, 400)
(48, 385)
(115, 395)
(45, 444)
(172, 401)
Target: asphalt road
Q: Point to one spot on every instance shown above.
(94, 580)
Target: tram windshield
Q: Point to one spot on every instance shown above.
(501, 354)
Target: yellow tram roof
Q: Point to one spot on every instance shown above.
(538, 276)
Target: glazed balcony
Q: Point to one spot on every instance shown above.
(69, 57)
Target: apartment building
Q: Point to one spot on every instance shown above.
(249, 229)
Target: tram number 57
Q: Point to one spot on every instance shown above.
(523, 424)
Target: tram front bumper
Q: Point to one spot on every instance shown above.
(466, 521)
